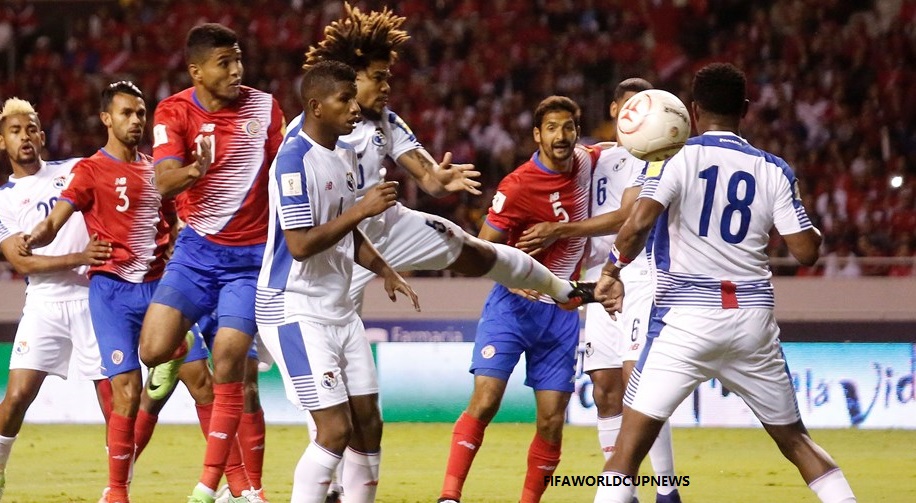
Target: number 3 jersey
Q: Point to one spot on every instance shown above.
(534, 193)
(24, 202)
(121, 205)
(723, 196)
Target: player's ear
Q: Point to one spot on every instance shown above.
(613, 110)
(105, 118)
(194, 71)
(537, 135)
(314, 107)
(744, 107)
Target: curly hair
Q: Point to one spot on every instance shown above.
(360, 38)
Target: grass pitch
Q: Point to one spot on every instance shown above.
(66, 463)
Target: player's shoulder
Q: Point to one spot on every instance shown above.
(182, 98)
(64, 164)
(249, 96)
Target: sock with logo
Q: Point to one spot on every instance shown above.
(543, 458)
(467, 436)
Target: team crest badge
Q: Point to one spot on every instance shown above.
(488, 351)
(117, 357)
(351, 182)
(379, 139)
(253, 127)
(60, 182)
(589, 350)
(328, 381)
(22, 347)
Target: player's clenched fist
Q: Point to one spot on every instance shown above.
(379, 198)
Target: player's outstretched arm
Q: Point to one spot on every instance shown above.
(368, 257)
(305, 242)
(95, 253)
(172, 177)
(440, 179)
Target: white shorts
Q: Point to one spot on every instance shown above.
(739, 347)
(410, 241)
(50, 332)
(609, 343)
(322, 365)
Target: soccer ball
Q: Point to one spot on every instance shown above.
(653, 125)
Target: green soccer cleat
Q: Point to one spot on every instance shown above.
(198, 496)
(164, 377)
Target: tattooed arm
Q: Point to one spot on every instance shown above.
(439, 179)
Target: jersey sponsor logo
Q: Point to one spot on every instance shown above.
(351, 181)
(22, 347)
(291, 184)
(117, 357)
(499, 199)
(60, 182)
(488, 351)
(253, 128)
(378, 138)
(328, 380)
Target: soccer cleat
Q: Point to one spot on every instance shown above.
(672, 497)
(261, 494)
(249, 496)
(447, 500)
(104, 498)
(333, 497)
(198, 496)
(582, 293)
(223, 494)
(164, 377)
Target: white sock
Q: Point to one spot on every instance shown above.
(200, 487)
(662, 457)
(6, 445)
(337, 476)
(614, 494)
(608, 428)
(516, 269)
(360, 478)
(832, 487)
(313, 474)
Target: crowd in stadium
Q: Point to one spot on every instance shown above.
(830, 85)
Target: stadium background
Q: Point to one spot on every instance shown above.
(832, 91)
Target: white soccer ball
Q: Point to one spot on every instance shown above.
(653, 125)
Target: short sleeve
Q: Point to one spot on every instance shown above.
(789, 215)
(8, 225)
(169, 133)
(508, 209)
(661, 182)
(402, 138)
(294, 210)
(79, 189)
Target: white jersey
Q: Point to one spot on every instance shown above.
(373, 140)
(723, 196)
(24, 202)
(615, 172)
(309, 186)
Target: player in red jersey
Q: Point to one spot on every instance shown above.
(114, 190)
(212, 146)
(551, 187)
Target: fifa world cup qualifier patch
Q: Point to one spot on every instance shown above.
(291, 184)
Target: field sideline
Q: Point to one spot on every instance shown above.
(66, 463)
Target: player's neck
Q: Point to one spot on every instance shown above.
(323, 138)
(209, 101)
(24, 170)
(559, 167)
(121, 151)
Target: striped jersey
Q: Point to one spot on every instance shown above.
(26, 201)
(373, 141)
(309, 186)
(722, 197)
(120, 203)
(228, 205)
(534, 193)
(615, 172)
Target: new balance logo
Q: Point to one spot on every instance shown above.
(609, 449)
(122, 457)
(258, 447)
(548, 468)
(465, 443)
(219, 434)
(207, 128)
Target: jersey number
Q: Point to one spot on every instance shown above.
(560, 212)
(122, 196)
(360, 176)
(46, 207)
(601, 191)
(200, 138)
(736, 204)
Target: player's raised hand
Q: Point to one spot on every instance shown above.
(609, 292)
(538, 237)
(458, 177)
(379, 198)
(97, 251)
(395, 283)
(202, 158)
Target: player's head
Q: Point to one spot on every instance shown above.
(367, 42)
(625, 90)
(556, 128)
(215, 60)
(123, 112)
(719, 96)
(20, 133)
(328, 93)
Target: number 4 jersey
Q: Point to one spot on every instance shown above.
(26, 201)
(723, 196)
(121, 205)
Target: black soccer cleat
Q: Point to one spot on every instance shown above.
(447, 500)
(583, 293)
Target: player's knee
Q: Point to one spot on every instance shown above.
(550, 425)
(19, 398)
(475, 260)
(608, 398)
(334, 435)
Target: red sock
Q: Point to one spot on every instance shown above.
(543, 458)
(224, 423)
(466, 439)
(120, 456)
(103, 389)
(251, 440)
(204, 412)
(143, 430)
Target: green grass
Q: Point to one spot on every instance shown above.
(66, 463)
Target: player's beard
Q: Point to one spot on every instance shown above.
(560, 158)
(24, 159)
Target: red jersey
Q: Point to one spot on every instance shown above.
(533, 193)
(120, 203)
(228, 205)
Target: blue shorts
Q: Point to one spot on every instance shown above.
(117, 308)
(511, 325)
(203, 277)
(206, 329)
(199, 350)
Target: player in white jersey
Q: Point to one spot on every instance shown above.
(612, 347)
(55, 321)
(305, 316)
(713, 206)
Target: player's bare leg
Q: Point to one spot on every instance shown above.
(637, 434)
(363, 456)
(21, 389)
(467, 435)
(608, 395)
(817, 468)
(165, 340)
(544, 452)
(313, 473)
